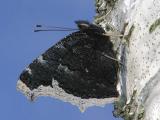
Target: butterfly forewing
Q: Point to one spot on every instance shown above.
(79, 66)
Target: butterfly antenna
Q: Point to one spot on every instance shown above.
(52, 28)
(39, 30)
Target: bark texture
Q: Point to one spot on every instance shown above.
(139, 51)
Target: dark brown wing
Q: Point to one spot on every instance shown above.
(79, 66)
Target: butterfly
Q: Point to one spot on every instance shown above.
(81, 69)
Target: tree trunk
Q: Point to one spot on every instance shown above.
(139, 51)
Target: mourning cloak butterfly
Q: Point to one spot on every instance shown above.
(75, 69)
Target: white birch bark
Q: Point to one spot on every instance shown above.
(140, 54)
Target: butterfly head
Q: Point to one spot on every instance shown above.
(82, 24)
(89, 27)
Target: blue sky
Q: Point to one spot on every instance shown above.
(19, 45)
